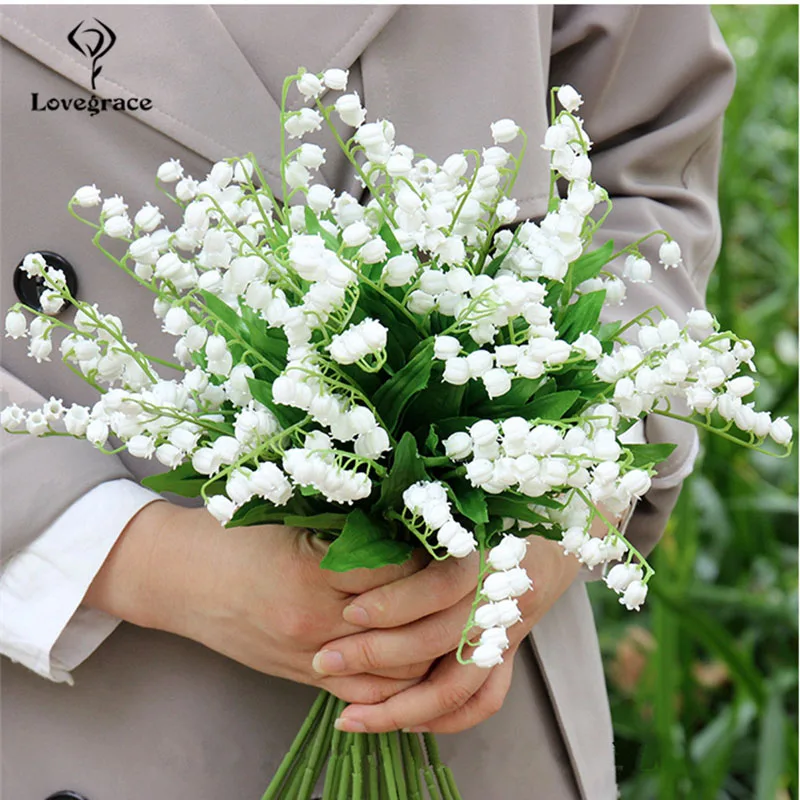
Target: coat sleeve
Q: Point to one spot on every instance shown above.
(42, 477)
(656, 82)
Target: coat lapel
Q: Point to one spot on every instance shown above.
(205, 93)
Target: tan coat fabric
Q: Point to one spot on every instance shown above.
(155, 716)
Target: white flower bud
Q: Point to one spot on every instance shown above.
(497, 382)
(309, 85)
(118, 227)
(669, 254)
(781, 431)
(335, 79)
(400, 269)
(622, 575)
(461, 545)
(637, 269)
(458, 446)
(589, 346)
(504, 614)
(141, 446)
(699, 320)
(487, 656)
(16, 324)
(484, 432)
(504, 130)
(87, 196)
(170, 171)
(456, 371)
(634, 595)
(444, 347)
(479, 471)
(504, 585)
(436, 514)
(636, 482)
(221, 508)
(569, 98)
(319, 198)
(741, 387)
(148, 218)
(301, 122)
(509, 553)
(348, 107)
(497, 636)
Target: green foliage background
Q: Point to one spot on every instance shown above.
(704, 683)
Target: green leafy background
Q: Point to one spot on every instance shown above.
(703, 683)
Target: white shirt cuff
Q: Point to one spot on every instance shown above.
(42, 623)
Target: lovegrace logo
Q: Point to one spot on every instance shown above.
(92, 40)
(93, 43)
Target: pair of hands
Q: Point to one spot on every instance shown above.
(383, 640)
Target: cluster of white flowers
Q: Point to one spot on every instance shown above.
(264, 301)
(508, 581)
(669, 363)
(428, 500)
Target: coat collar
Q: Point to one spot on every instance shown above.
(205, 94)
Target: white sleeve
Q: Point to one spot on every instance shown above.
(42, 622)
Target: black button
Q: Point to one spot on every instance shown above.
(29, 290)
(66, 794)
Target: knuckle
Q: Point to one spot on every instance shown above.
(298, 626)
(437, 636)
(368, 656)
(491, 704)
(453, 696)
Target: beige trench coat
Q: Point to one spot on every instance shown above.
(155, 716)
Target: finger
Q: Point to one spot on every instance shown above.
(419, 670)
(440, 585)
(375, 650)
(487, 701)
(449, 687)
(365, 689)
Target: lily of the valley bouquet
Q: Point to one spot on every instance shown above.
(412, 372)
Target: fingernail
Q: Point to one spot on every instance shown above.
(350, 726)
(328, 662)
(356, 615)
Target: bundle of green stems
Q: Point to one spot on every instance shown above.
(359, 766)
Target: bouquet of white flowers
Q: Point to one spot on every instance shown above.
(416, 371)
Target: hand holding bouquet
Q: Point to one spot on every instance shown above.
(414, 372)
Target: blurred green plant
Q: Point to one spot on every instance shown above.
(703, 684)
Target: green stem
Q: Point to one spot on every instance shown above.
(357, 754)
(717, 432)
(297, 745)
(320, 747)
(387, 763)
(397, 763)
(412, 768)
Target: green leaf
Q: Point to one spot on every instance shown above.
(387, 234)
(447, 427)
(182, 480)
(319, 522)
(516, 508)
(403, 333)
(589, 265)
(469, 500)
(364, 543)
(550, 407)
(438, 401)
(407, 468)
(772, 746)
(646, 454)
(395, 394)
(313, 227)
(522, 389)
(233, 323)
(432, 440)
(582, 316)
